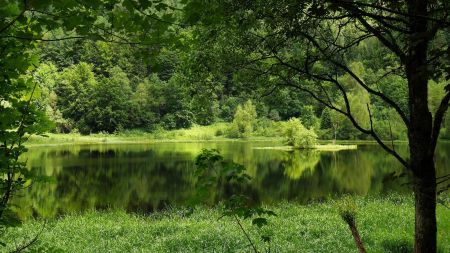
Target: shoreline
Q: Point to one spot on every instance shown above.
(149, 138)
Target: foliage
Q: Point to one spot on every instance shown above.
(297, 135)
(110, 105)
(75, 91)
(212, 169)
(19, 114)
(386, 224)
(19, 118)
(91, 103)
(243, 121)
(23, 25)
(46, 78)
(174, 102)
(321, 48)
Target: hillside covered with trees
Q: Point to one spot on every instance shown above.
(95, 86)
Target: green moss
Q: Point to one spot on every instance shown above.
(386, 225)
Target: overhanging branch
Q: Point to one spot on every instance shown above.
(438, 118)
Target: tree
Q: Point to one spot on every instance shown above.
(308, 45)
(297, 135)
(335, 120)
(24, 24)
(75, 91)
(243, 121)
(205, 107)
(46, 77)
(19, 113)
(110, 103)
(308, 117)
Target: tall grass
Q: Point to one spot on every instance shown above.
(216, 131)
(386, 225)
(196, 132)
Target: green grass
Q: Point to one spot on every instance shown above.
(335, 147)
(386, 225)
(320, 147)
(196, 132)
(133, 136)
(214, 132)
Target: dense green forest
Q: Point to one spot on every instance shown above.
(95, 86)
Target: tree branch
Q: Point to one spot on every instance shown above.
(389, 44)
(7, 26)
(385, 98)
(348, 114)
(438, 118)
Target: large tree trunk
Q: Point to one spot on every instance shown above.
(422, 166)
(424, 173)
(425, 202)
(420, 130)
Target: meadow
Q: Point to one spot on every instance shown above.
(385, 224)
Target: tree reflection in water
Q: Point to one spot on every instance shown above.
(145, 178)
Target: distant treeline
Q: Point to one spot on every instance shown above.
(92, 87)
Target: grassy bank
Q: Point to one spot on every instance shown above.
(213, 132)
(196, 133)
(135, 136)
(320, 147)
(386, 225)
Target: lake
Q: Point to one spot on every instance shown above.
(148, 177)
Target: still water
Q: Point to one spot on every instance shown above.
(149, 177)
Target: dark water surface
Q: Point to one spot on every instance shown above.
(149, 177)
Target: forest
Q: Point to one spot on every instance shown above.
(95, 86)
(224, 126)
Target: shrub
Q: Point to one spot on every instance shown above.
(169, 122)
(268, 128)
(233, 131)
(219, 132)
(297, 135)
(184, 119)
(274, 115)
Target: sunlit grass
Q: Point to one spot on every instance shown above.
(214, 132)
(386, 225)
(335, 147)
(320, 147)
(196, 132)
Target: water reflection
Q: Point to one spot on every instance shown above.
(146, 178)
